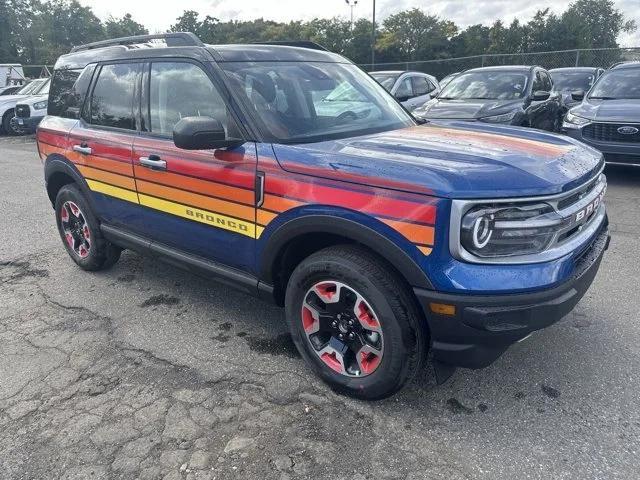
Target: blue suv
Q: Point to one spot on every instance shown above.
(609, 116)
(387, 242)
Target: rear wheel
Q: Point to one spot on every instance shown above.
(354, 322)
(80, 231)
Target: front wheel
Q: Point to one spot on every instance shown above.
(6, 124)
(354, 322)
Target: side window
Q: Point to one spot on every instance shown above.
(179, 90)
(538, 84)
(405, 90)
(112, 98)
(67, 91)
(421, 86)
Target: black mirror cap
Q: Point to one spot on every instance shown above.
(202, 133)
(577, 95)
(540, 95)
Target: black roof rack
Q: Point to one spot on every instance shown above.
(300, 44)
(174, 39)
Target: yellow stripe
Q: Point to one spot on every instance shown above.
(425, 250)
(112, 191)
(203, 216)
(259, 231)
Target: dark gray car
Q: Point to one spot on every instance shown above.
(570, 79)
(609, 116)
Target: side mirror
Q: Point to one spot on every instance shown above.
(578, 95)
(202, 133)
(540, 96)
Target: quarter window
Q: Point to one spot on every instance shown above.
(67, 91)
(179, 90)
(112, 99)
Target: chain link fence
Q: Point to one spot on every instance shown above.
(598, 57)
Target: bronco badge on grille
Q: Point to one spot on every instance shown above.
(628, 130)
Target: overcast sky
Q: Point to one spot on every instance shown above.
(158, 15)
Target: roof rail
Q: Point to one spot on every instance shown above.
(173, 39)
(300, 44)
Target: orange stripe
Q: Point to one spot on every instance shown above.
(279, 204)
(264, 218)
(415, 233)
(199, 201)
(195, 185)
(104, 164)
(107, 177)
(425, 250)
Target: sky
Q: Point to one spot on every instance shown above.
(157, 16)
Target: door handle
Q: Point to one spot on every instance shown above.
(153, 162)
(82, 148)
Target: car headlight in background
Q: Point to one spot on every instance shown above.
(498, 231)
(502, 118)
(574, 121)
(40, 105)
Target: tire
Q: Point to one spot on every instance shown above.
(382, 298)
(80, 231)
(6, 123)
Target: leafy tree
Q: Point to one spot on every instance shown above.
(123, 27)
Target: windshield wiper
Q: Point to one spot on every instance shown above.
(446, 98)
(605, 98)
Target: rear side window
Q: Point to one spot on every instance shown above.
(405, 90)
(112, 99)
(67, 91)
(421, 86)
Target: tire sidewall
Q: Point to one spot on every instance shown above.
(398, 338)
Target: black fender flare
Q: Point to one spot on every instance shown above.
(56, 164)
(317, 223)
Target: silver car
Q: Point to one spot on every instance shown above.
(412, 89)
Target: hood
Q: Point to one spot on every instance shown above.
(450, 160)
(567, 99)
(11, 98)
(469, 109)
(623, 111)
(31, 99)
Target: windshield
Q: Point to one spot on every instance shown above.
(572, 81)
(497, 85)
(313, 101)
(616, 84)
(445, 81)
(43, 90)
(387, 80)
(31, 87)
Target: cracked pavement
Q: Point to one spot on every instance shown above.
(145, 371)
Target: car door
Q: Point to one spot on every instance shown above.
(538, 110)
(101, 142)
(403, 89)
(197, 201)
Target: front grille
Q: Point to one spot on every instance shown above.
(608, 132)
(23, 111)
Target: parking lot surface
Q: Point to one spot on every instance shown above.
(145, 371)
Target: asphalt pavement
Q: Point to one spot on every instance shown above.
(145, 371)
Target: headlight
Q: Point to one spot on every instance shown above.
(497, 231)
(574, 121)
(503, 118)
(423, 109)
(40, 105)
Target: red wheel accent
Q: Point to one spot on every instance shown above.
(76, 231)
(366, 315)
(369, 361)
(327, 290)
(332, 361)
(308, 321)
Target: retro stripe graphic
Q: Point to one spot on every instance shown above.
(230, 204)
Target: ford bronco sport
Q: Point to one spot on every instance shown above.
(387, 242)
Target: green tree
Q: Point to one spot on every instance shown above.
(123, 27)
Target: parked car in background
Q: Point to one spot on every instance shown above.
(609, 116)
(30, 111)
(573, 79)
(445, 81)
(412, 89)
(511, 95)
(8, 103)
(10, 90)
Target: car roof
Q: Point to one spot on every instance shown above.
(626, 65)
(397, 72)
(503, 68)
(79, 57)
(574, 69)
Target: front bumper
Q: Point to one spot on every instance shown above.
(618, 153)
(28, 124)
(483, 327)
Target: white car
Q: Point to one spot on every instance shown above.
(412, 89)
(8, 102)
